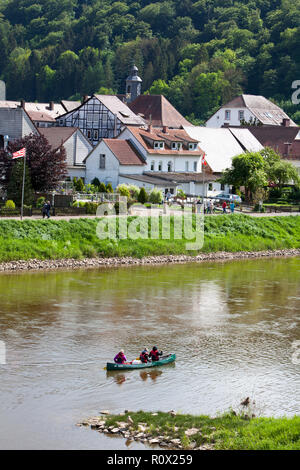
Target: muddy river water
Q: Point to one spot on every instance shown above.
(234, 327)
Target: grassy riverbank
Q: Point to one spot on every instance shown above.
(227, 432)
(77, 238)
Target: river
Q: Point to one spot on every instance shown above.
(232, 325)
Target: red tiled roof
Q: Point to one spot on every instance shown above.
(158, 110)
(277, 137)
(157, 134)
(125, 152)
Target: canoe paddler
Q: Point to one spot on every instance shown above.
(155, 353)
(120, 358)
(144, 356)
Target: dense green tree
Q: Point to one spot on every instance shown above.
(14, 187)
(53, 49)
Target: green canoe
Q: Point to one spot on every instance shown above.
(127, 366)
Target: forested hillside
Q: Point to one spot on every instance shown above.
(199, 53)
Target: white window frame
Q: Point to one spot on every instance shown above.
(241, 115)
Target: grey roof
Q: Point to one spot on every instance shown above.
(146, 178)
(70, 105)
(36, 107)
(183, 177)
(246, 139)
(124, 114)
(219, 145)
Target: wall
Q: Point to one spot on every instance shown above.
(15, 123)
(218, 119)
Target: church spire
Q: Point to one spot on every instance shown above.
(133, 85)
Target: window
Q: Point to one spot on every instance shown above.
(102, 162)
(227, 115)
(169, 166)
(222, 187)
(152, 166)
(89, 133)
(195, 166)
(186, 166)
(192, 146)
(241, 115)
(96, 134)
(210, 187)
(61, 122)
(160, 166)
(159, 145)
(174, 146)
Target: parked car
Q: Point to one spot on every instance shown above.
(229, 198)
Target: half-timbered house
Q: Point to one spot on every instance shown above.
(99, 117)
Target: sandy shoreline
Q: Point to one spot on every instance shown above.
(94, 263)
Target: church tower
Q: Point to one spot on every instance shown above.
(133, 85)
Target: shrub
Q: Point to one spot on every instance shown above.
(95, 182)
(155, 196)
(109, 188)
(134, 191)
(142, 197)
(40, 202)
(123, 190)
(10, 204)
(102, 188)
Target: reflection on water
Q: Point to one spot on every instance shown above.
(232, 327)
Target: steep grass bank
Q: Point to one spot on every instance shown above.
(230, 431)
(77, 238)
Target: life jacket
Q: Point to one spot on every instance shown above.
(144, 356)
(155, 355)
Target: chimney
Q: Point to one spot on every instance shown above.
(286, 122)
(84, 98)
(22, 104)
(165, 129)
(51, 105)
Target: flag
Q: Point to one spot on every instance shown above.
(19, 154)
(204, 162)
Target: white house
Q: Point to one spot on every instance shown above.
(110, 158)
(76, 145)
(249, 109)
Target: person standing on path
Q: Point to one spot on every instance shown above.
(224, 207)
(232, 207)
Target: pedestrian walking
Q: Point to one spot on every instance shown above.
(232, 207)
(224, 207)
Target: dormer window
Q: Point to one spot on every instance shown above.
(159, 145)
(192, 146)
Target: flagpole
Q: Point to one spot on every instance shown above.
(23, 187)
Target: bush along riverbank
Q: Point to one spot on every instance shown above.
(77, 239)
(231, 431)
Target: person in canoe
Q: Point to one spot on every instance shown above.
(120, 358)
(144, 356)
(155, 353)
